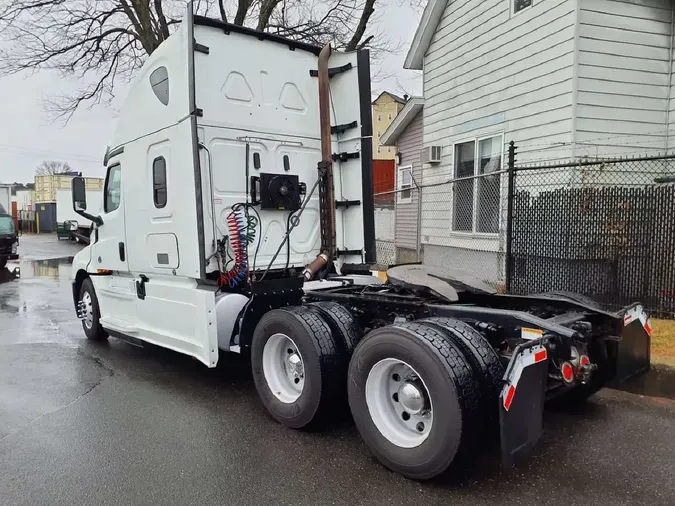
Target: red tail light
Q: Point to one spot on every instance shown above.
(584, 360)
(567, 372)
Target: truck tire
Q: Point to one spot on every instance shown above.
(482, 357)
(91, 322)
(296, 366)
(414, 399)
(342, 324)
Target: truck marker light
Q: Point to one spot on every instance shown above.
(103, 271)
(567, 372)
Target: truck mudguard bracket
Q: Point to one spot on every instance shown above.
(521, 402)
(344, 156)
(339, 129)
(333, 71)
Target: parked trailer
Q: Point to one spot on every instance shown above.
(69, 223)
(5, 199)
(238, 217)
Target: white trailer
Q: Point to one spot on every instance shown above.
(5, 199)
(75, 227)
(237, 213)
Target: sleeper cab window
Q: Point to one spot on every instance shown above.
(113, 188)
(159, 81)
(159, 181)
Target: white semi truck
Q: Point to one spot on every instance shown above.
(238, 217)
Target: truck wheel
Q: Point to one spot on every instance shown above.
(342, 324)
(484, 361)
(414, 399)
(89, 306)
(295, 365)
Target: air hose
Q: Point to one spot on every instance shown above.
(241, 233)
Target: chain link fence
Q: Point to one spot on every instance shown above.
(445, 221)
(602, 227)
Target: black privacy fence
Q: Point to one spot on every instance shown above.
(603, 228)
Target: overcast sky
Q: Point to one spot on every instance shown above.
(27, 137)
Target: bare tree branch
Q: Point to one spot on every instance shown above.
(221, 7)
(101, 43)
(368, 10)
(242, 11)
(52, 168)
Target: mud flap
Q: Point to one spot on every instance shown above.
(634, 350)
(521, 403)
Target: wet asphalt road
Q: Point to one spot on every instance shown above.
(82, 423)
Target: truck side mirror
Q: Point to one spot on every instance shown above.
(80, 200)
(79, 194)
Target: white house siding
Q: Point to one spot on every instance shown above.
(624, 82)
(410, 143)
(489, 72)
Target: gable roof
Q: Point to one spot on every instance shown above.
(425, 31)
(395, 97)
(402, 120)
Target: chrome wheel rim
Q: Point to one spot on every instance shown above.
(399, 403)
(88, 310)
(283, 368)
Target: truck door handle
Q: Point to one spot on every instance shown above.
(121, 247)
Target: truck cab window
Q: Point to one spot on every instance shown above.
(159, 181)
(113, 187)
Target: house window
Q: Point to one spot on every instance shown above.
(159, 182)
(475, 205)
(405, 185)
(519, 5)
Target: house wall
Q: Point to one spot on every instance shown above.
(671, 101)
(490, 72)
(409, 145)
(385, 110)
(487, 70)
(624, 84)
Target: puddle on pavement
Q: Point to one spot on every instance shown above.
(55, 268)
(658, 382)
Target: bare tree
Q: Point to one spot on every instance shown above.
(103, 42)
(52, 168)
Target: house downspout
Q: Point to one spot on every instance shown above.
(670, 76)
